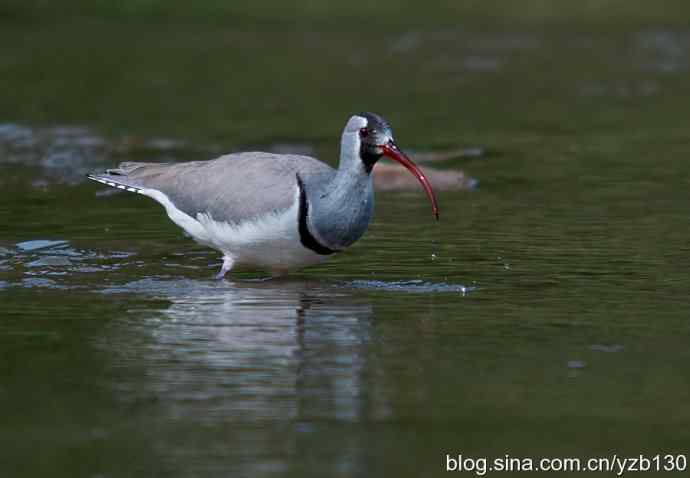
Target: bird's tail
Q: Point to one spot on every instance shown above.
(116, 178)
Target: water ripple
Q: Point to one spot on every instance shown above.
(411, 286)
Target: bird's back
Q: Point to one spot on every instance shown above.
(232, 188)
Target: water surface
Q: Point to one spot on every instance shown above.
(545, 315)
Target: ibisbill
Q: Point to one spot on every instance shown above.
(277, 212)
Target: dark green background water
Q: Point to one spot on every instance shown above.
(120, 356)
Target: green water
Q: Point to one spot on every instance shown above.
(547, 314)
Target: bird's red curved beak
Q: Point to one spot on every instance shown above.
(391, 150)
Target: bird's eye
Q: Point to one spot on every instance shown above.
(363, 133)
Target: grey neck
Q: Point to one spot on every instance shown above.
(341, 207)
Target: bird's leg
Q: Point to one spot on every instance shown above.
(227, 265)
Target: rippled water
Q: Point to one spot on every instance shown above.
(545, 315)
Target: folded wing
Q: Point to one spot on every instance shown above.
(232, 188)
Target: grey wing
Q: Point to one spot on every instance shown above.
(232, 188)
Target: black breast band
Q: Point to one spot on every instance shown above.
(306, 237)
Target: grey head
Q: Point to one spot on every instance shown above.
(362, 140)
(366, 139)
(340, 208)
(377, 132)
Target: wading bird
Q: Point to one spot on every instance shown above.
(278, 212)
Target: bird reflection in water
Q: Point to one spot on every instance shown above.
(284, 349)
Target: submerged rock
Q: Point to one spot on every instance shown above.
(392, 177)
